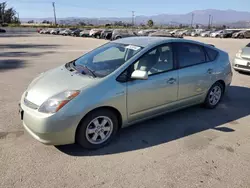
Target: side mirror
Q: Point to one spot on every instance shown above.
(139, 75)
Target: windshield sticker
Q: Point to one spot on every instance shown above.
(131, 47)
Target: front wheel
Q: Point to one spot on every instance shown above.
(214, 96)
(97, 129)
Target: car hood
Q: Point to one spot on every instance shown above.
(246, 52)
(55, 81)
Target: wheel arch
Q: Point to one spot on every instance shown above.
(114, 110)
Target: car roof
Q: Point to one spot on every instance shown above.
(149, 41)
(144, 41)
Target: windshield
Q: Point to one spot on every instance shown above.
(105, 59)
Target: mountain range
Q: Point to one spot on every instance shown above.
(218, 17)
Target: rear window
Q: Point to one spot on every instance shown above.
(248, 45)
(212, 54)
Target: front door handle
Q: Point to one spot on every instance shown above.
(210, 71)
(171, 80)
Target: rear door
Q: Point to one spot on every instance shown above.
(195, 72)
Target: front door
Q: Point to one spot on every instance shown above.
(149, 97)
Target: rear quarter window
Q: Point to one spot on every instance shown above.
(212, 54)
(248, 45)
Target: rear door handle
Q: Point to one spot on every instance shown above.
(171, 80)
(210, 71)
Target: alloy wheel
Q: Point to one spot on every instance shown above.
(99, 130)
(215, 95)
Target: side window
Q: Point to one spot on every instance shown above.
(248, 45)
(157, 60)
(190, 54)
(109, 54)
(212, 54)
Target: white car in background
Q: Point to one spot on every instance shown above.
(197, 32)
(206, 34)
(216, 34)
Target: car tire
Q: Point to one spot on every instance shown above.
(214, 95)
(241, 37)
(92, 135)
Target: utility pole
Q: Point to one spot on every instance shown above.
(209, 21)
(192, 20)
(3, 12)
(211, 24)
(133, 15)
(53, 4)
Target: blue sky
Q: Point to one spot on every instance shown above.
(119, 8)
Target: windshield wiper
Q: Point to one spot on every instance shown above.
(92, 72)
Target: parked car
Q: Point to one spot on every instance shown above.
(242, 34)
(146, 32)
(2, 30)
(197, 32)
(122, 33)
(189, 32)
(242, 60)
(38, 30)
(173, 31)
(205, 34)
(228, 34)
(217, 34)
(66, 32)
(106, 34)
(55, 31)
(162, 33)
(181, 33)
(76, 32)
(84, 33)
(96, 33)
(84, 100)
(61, 31)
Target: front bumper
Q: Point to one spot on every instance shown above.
(241, 65)
(51, 129)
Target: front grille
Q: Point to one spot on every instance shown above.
(30, 104)
(242, 66)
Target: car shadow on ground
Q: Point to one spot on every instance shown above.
(165, 128)
(23, 54)
(10, 35)
(18, 46)
(7, 64)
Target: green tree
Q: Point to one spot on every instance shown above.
(7, 15)
(150, 23)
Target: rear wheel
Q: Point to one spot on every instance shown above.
(241, 36)
(97, 129)
(214, 95)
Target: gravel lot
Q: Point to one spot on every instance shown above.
(194, 147)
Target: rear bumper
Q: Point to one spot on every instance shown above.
(241, 65)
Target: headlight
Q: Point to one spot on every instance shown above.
(238, 55)
(55, 103)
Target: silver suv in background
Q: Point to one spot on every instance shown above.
(122, 33)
